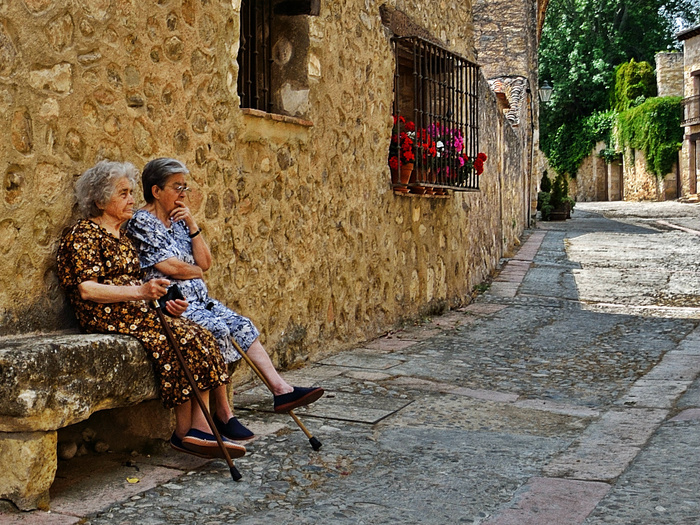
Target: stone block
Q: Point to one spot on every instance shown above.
(51, 381)
(28, 462)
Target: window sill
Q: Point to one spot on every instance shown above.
(275, 117)
(403, 191)
(261, 126)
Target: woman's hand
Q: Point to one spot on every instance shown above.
(183, 213)
(176, 307)
(154, 289)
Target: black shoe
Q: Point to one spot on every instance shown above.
(233, 429)
(177, 444)
(206, 444)
(298, 398)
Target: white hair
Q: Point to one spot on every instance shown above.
(96, 186)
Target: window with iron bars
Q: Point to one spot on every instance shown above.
(436, 118)
(255, 55)
(273, 55)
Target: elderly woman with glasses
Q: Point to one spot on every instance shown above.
(171, 245)
(99, 267)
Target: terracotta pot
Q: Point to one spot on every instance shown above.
(400, 177)
(406, 170)
(395, 176)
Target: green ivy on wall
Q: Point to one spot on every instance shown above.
(654, 127)
(574, 141)
(638, 121)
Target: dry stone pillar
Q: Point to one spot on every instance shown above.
(28, 465)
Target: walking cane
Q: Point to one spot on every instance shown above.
(315, 443)
(190, 379)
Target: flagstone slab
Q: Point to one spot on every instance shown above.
(675, 366)
(654, 393)
(552, 501)
(386, 344)
(361, 359)
(344, 406)
(607, 446)
(105, 480)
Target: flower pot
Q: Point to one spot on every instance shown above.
(395, 175)
(402, 178)
(406, 170)
(559, 213)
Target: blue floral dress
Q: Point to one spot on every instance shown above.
(156, 243)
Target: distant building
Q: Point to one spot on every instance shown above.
(691, 108)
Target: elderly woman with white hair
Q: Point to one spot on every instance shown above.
(171, 245)
(99, 267)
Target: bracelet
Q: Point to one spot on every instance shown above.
(193, 235)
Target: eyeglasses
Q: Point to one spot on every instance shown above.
(181, 189)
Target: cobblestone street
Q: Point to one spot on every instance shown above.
(567, 393)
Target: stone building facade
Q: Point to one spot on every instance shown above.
(669, 74)
(690, 154)
(308, 238)
(507, 40)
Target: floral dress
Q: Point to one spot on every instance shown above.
(156, 243)
(89, 252)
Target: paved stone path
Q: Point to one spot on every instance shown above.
(568, 393)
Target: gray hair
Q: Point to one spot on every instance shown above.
(157, 172)
(96, 186)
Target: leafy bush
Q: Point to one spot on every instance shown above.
(545, 188)
(634, 83)
(555, 199)
(544, 205)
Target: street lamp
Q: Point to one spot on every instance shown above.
(546, 92)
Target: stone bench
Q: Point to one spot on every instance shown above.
(51, 381)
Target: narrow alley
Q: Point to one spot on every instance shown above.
(567, 393)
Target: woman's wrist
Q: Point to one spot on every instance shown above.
(193, 234)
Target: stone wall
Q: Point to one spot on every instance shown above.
(590, 181)
(669, 74)
(505, 34)
(307, 237)
(598, 181)
(506, 37)
(639, 184)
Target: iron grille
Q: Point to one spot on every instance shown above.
(255, 55)
(437, 91)
(691, 111)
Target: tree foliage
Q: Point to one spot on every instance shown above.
(634, 83)
(583, 41)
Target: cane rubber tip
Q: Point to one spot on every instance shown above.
(315, 443)
(235, 474)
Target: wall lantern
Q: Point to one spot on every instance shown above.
(546, 92)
